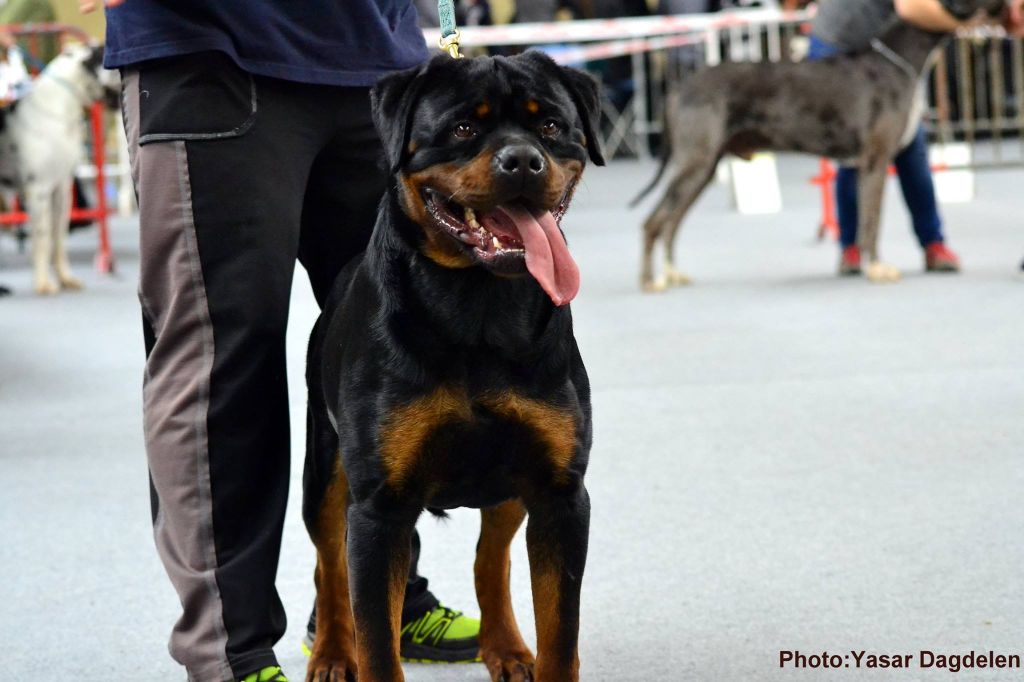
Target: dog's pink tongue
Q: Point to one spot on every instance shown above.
(547, 255)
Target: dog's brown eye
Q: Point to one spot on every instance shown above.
(463, 131)
(550, 129)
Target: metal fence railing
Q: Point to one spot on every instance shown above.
(976, 88)
(977, 97)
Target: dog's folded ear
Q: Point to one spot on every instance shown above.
(392, 100)
(586, 95)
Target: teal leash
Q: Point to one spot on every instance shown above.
(449, 31)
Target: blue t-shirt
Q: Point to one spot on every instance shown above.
(333, 42)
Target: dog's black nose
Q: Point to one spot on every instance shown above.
(519, 161)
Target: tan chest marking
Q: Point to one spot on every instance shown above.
(555, 428)
(406, 431)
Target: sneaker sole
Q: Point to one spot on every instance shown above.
(417, 653)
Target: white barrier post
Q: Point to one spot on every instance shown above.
(639, 104)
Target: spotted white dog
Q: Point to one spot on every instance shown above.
(41, 142)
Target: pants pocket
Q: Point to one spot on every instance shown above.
(202, 96)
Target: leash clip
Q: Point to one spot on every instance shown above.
(450, 44)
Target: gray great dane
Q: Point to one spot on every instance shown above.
(856, 108)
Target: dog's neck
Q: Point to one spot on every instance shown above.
(58, 90)
(913, 45)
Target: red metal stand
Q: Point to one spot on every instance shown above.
(826, 180)
(104, 256)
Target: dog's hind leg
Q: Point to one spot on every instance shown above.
(689, 195)
(556, 540)
(656, 228)
(61, 225)
(870, 193)
(664, 223)
(501, 645)
(652, 229)
(325, 502)
(334, 656)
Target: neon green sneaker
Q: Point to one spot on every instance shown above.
(441, 635)
(269, 674)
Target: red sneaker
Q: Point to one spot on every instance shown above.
(939, 258)
(849, 262)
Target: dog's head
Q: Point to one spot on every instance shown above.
(83, 65)
(488, 152)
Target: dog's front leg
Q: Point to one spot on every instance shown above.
(39, 206)
(870, 192)
(502, 648)
(556, 539)
(379, 545)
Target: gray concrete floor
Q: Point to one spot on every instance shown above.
(782, 459)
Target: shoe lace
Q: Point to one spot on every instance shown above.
(431, 625)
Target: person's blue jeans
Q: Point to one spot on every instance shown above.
(915, 174)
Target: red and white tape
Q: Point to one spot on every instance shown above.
(616, 29)
(585, 53)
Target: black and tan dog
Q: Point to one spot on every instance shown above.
(444, 373)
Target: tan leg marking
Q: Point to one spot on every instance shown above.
(501, 645)
(334, 656)
(547, 600)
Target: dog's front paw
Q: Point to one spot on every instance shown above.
(71, 283)
(509, 666)
(322, 669)
(880, 273)
(46, 287)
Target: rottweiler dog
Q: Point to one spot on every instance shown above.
(444, 372)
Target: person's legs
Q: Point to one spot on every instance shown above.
(338, 215)
(846, 205)
(915, 173)
(915, 176)
(219, 171)
(846, 183)
(340, 208)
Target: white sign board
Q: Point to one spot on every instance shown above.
(952, 186)
(755, 185)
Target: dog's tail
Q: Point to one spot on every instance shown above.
(665, 157)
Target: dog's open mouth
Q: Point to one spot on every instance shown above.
(512, 238)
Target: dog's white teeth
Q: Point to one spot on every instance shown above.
(470, 215)
(495, 242)
(473, 223)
